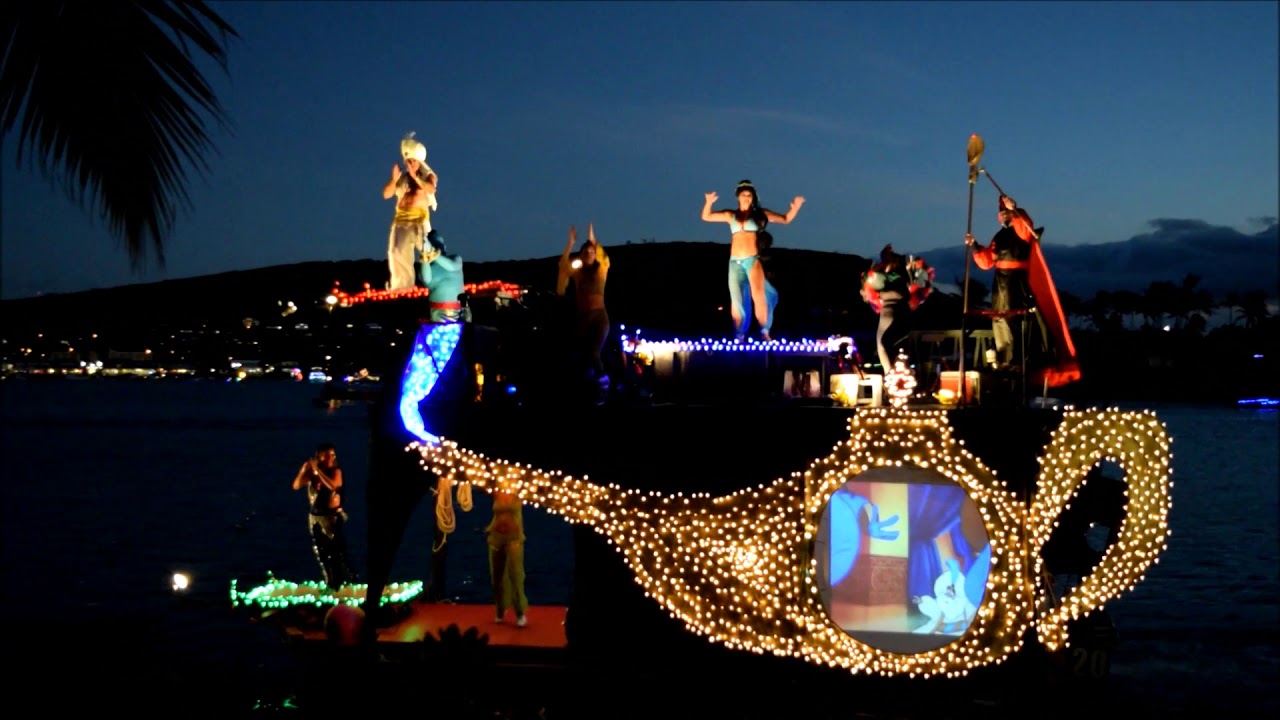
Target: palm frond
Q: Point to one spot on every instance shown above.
(107, 99)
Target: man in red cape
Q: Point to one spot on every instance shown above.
(1022, 282)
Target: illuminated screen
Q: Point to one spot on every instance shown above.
(903, 559)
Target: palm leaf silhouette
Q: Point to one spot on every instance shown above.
(107, 101)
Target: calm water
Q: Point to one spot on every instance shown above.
(110, 487)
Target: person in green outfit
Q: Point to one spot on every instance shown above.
(506, 556)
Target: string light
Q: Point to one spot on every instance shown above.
(899, 381)
(1140, 445)
(646, 347)
(740, 569)
(277, 594)
(368, 294)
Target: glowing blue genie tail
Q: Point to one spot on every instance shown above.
(432, 349)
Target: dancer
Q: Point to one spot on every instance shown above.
(322, 478)
(441, 273)
(505, 536)
(589, 272)
(894, 287)
(748, 287)
(415, 191)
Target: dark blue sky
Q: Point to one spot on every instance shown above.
(1098, 117)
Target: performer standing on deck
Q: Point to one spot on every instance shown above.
(748, 287)
(415, 191)
(505, 536)
(894, 287)
(1009, 254)
(322, 478)
(589, 272)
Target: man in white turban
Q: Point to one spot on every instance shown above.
(415, 192)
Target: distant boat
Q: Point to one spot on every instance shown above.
(1259, 402)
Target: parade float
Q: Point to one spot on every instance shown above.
(775, 499)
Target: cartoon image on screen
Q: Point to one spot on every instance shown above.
(902, 559)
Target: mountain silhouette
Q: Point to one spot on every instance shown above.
(681, 287)
(1225, 259)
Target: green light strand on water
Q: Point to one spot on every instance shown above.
(277, 594)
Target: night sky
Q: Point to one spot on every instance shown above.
(1097, 117)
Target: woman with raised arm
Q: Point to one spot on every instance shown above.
(589, 271)
(321, 476)
(748, 287)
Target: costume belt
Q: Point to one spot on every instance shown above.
(410, 216)
(447, 305)
(1012, 264)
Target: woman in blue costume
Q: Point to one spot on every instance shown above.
(748, 287)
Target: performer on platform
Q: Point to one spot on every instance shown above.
(441, 274)
(589, 271)
(322, 478)
(415, 191)
(505, 536)
(1009, 254)
(894, 287)
(748, 287)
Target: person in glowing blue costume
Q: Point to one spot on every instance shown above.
(852, 516)
(441, 273)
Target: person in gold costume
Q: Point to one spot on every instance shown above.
(505, 535)
(414, 189)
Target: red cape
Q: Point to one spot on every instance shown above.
(1065, 368)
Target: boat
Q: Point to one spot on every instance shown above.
(718, 516)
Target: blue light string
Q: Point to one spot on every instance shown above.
(806, 346)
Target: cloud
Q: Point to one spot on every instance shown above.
(1225, 258)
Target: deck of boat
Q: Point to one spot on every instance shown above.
(544, 629)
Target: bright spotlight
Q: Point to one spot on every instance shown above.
(181, 582)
